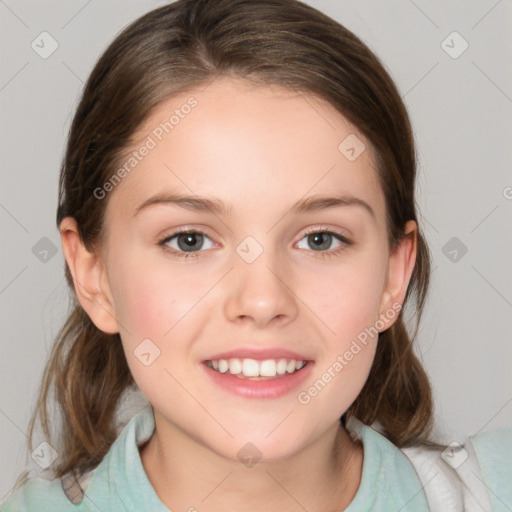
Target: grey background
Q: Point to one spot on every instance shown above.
(461, 112)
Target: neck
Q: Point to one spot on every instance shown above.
(324, 476)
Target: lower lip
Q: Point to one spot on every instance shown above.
(271, 388)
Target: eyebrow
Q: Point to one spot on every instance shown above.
(217, 207)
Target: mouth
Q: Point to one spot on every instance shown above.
(253, 369)
(251, 378)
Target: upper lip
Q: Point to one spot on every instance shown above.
(259, 354)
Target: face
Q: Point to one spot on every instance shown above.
(256, 281)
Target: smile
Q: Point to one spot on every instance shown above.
(251, 368)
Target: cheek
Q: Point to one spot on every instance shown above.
(158, 303)
(150, 304)
(151, 299)
(348, 299)
(141, 306)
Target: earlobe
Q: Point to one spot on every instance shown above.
(401, 265)
(88, 277)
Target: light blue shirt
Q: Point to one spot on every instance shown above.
(389, 481)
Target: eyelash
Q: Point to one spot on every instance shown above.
(323, 254)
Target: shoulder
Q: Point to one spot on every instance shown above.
(38, 494)
(475, 475)
(389, 481)
(96, 488)
(494, 453)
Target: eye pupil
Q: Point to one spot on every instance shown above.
(319, 237)
(191, 241)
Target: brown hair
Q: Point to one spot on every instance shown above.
(182, 46)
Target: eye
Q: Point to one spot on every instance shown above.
(185, 243)
(322, 240)
(188, 243)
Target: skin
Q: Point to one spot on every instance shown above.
(260, 149)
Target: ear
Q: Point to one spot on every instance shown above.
(400, 267)
(89, 278)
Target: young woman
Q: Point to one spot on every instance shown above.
(238, 218)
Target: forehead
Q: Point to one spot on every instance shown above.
(244, 143)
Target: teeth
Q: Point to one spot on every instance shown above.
(281, 366)
(235, 366)
(223, 366)
(268, 368)
(253, 368)
(250, 368)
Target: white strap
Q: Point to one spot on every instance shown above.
(452, 480)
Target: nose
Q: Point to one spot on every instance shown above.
(260, 292)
